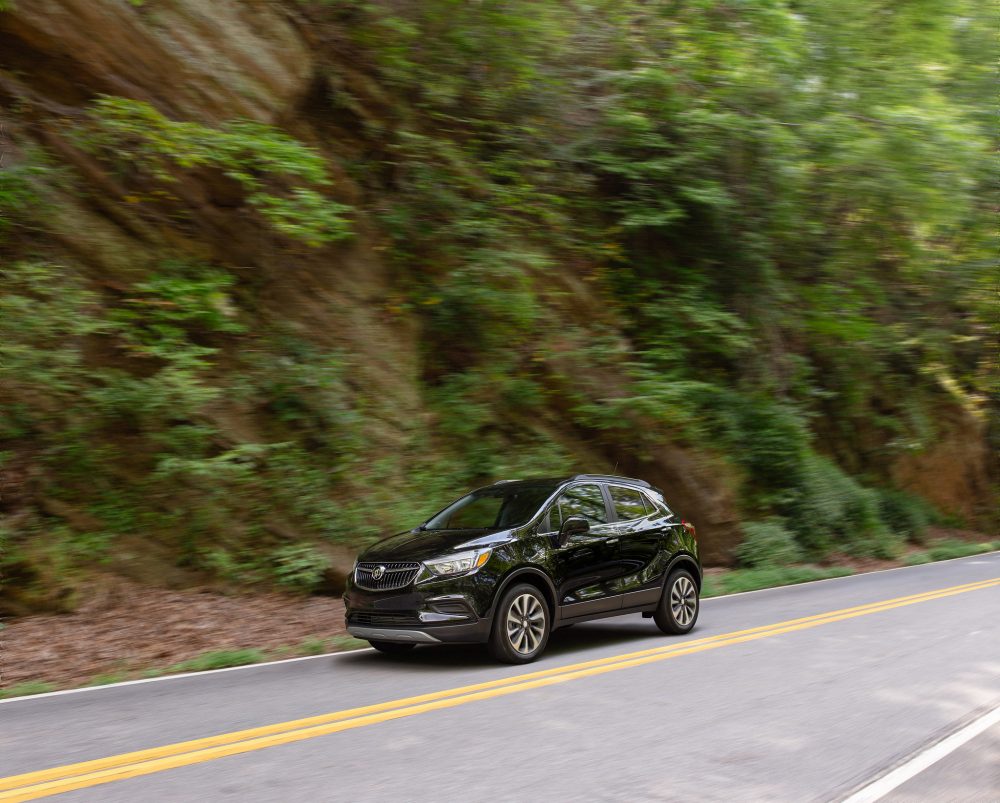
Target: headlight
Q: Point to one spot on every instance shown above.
(459, 563)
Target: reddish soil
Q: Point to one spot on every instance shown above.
(126, 628)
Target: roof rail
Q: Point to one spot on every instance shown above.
(611, 478)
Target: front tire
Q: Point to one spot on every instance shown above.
(521, 625)
(392, 647)
(679, 604)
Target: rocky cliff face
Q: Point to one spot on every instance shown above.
(210, 62)
(261, 60)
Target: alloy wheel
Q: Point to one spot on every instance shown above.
(525, 623)
(683, 601)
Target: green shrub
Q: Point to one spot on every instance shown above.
(830, 511)
(906, 515)
(818, 504)
(262, 160)
(866, 533)
(299, 567)
(768, 543)
(233, 566)
(768, 439)
(161, 314)
(19, 190)
(45, 315)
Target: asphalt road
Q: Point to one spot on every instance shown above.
(812, 710)
(972, 772)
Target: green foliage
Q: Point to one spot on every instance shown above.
(768, 439)
(906, 515)
(219, 659)
(740, 580)
(313, 646)
(26, 688)
(762, 231)
(19, 190)
(299, 567)
(949, 550)
(164, 310)
(830, 511)
(453, 55)
(276, 172)
(45, 316)
(305, 389)
(212, 494)
(768, 544)
(240, 567)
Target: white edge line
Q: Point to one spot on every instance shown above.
(341, 653)
(181, 675)
(920, 762)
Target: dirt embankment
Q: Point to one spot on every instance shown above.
(125, 628)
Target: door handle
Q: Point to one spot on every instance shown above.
(613, 540)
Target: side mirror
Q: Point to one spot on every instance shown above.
(574, 525)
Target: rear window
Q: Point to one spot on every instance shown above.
(658, 503)
(628, 503)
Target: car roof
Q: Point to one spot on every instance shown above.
(575, 477)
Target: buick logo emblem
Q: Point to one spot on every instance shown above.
(378, 572)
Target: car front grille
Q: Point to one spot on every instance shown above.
(391, 576)
(379, 619)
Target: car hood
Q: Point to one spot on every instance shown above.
(417, 545)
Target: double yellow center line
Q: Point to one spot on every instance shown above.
(34, 785)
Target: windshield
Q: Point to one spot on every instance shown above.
(495, 508)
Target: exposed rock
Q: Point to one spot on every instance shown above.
(208, 61)
(955, 473)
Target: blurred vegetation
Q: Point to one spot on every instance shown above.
(950, 549)
(763, 230)
(742, 580)
(219, 659)
(25, 689)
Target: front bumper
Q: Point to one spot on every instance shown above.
(396, 634)
(428, 613)
(467, 633)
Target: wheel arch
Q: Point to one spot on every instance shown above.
(685, 561)
(532, 576)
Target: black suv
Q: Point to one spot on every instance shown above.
(510, 562)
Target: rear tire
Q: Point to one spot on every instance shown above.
(521, 625)
(679, 605)
(392, 647)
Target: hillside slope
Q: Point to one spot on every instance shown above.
(280, 277)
